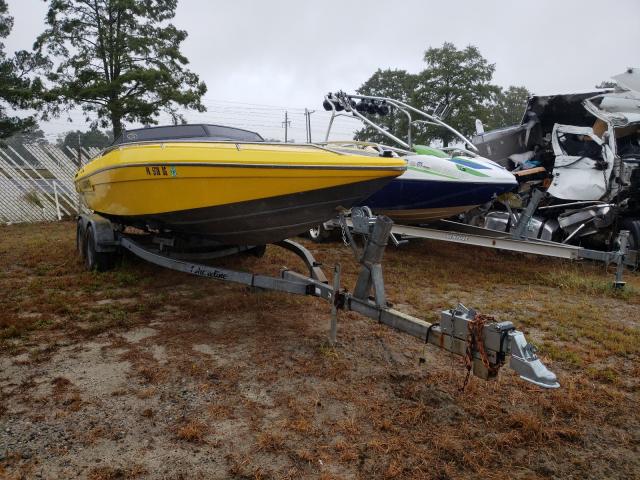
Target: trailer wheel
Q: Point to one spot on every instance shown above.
(93, 260)
(319, 234)
(633, 225)
(80, 234)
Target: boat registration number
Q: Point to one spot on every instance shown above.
(161, 171)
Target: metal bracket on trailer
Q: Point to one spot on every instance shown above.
(501, 342)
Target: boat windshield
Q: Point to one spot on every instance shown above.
(183, 132)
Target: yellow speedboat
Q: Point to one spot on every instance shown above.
(226, 183)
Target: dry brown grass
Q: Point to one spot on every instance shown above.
(116, 473)
(192, 431)
(280, 403)
(94, 435)
(218, 411)
(270, 441)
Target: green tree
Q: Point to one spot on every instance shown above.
(459, 79)
(607, 84)
(17, 90)
(119, 59)
(27, 136)
(91, 138)
(395, 84)
(508, 107)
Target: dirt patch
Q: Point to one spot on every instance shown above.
(145, 373)
(138, 334)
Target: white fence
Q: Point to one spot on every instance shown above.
(36, 182)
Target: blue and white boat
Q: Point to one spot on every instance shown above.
(438, 183)
(440, 186)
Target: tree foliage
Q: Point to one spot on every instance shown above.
(119, 59)
(508, 107)
(17, 89)
(18, 141)
(27, 136)
(458, 79)
(91, 138)
(396, 84)
(607, 84)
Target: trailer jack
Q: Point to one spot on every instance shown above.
(494, 345)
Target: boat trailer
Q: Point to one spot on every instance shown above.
(455, 232)
(515, 240)
(485, 343)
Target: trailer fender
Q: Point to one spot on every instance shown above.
(103, 232)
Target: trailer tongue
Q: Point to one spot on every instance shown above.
(485, 344)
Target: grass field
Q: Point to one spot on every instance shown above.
(146, 373)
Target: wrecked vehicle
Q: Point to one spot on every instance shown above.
(577, 160)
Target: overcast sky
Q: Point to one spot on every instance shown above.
(260, 57)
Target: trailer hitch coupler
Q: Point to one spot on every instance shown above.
(526, 363)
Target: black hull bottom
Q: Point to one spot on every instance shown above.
(258, 222)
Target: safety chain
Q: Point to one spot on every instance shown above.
(344, 234)
(475, 342)
(343, 229)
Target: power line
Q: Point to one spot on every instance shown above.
(252, 104)
(266, 118)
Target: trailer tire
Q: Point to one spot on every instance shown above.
(319, 234)
(80, 239)
(633, 225)
(93, 260)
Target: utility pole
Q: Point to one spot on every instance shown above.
(286, 124)
(79, 205)
(307, 115)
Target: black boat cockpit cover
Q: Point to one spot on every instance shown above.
(184, 132)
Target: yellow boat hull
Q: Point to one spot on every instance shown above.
(237, 193)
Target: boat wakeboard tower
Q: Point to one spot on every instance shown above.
(438, 183)
(354, 106)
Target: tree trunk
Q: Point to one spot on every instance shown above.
(116, 123)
